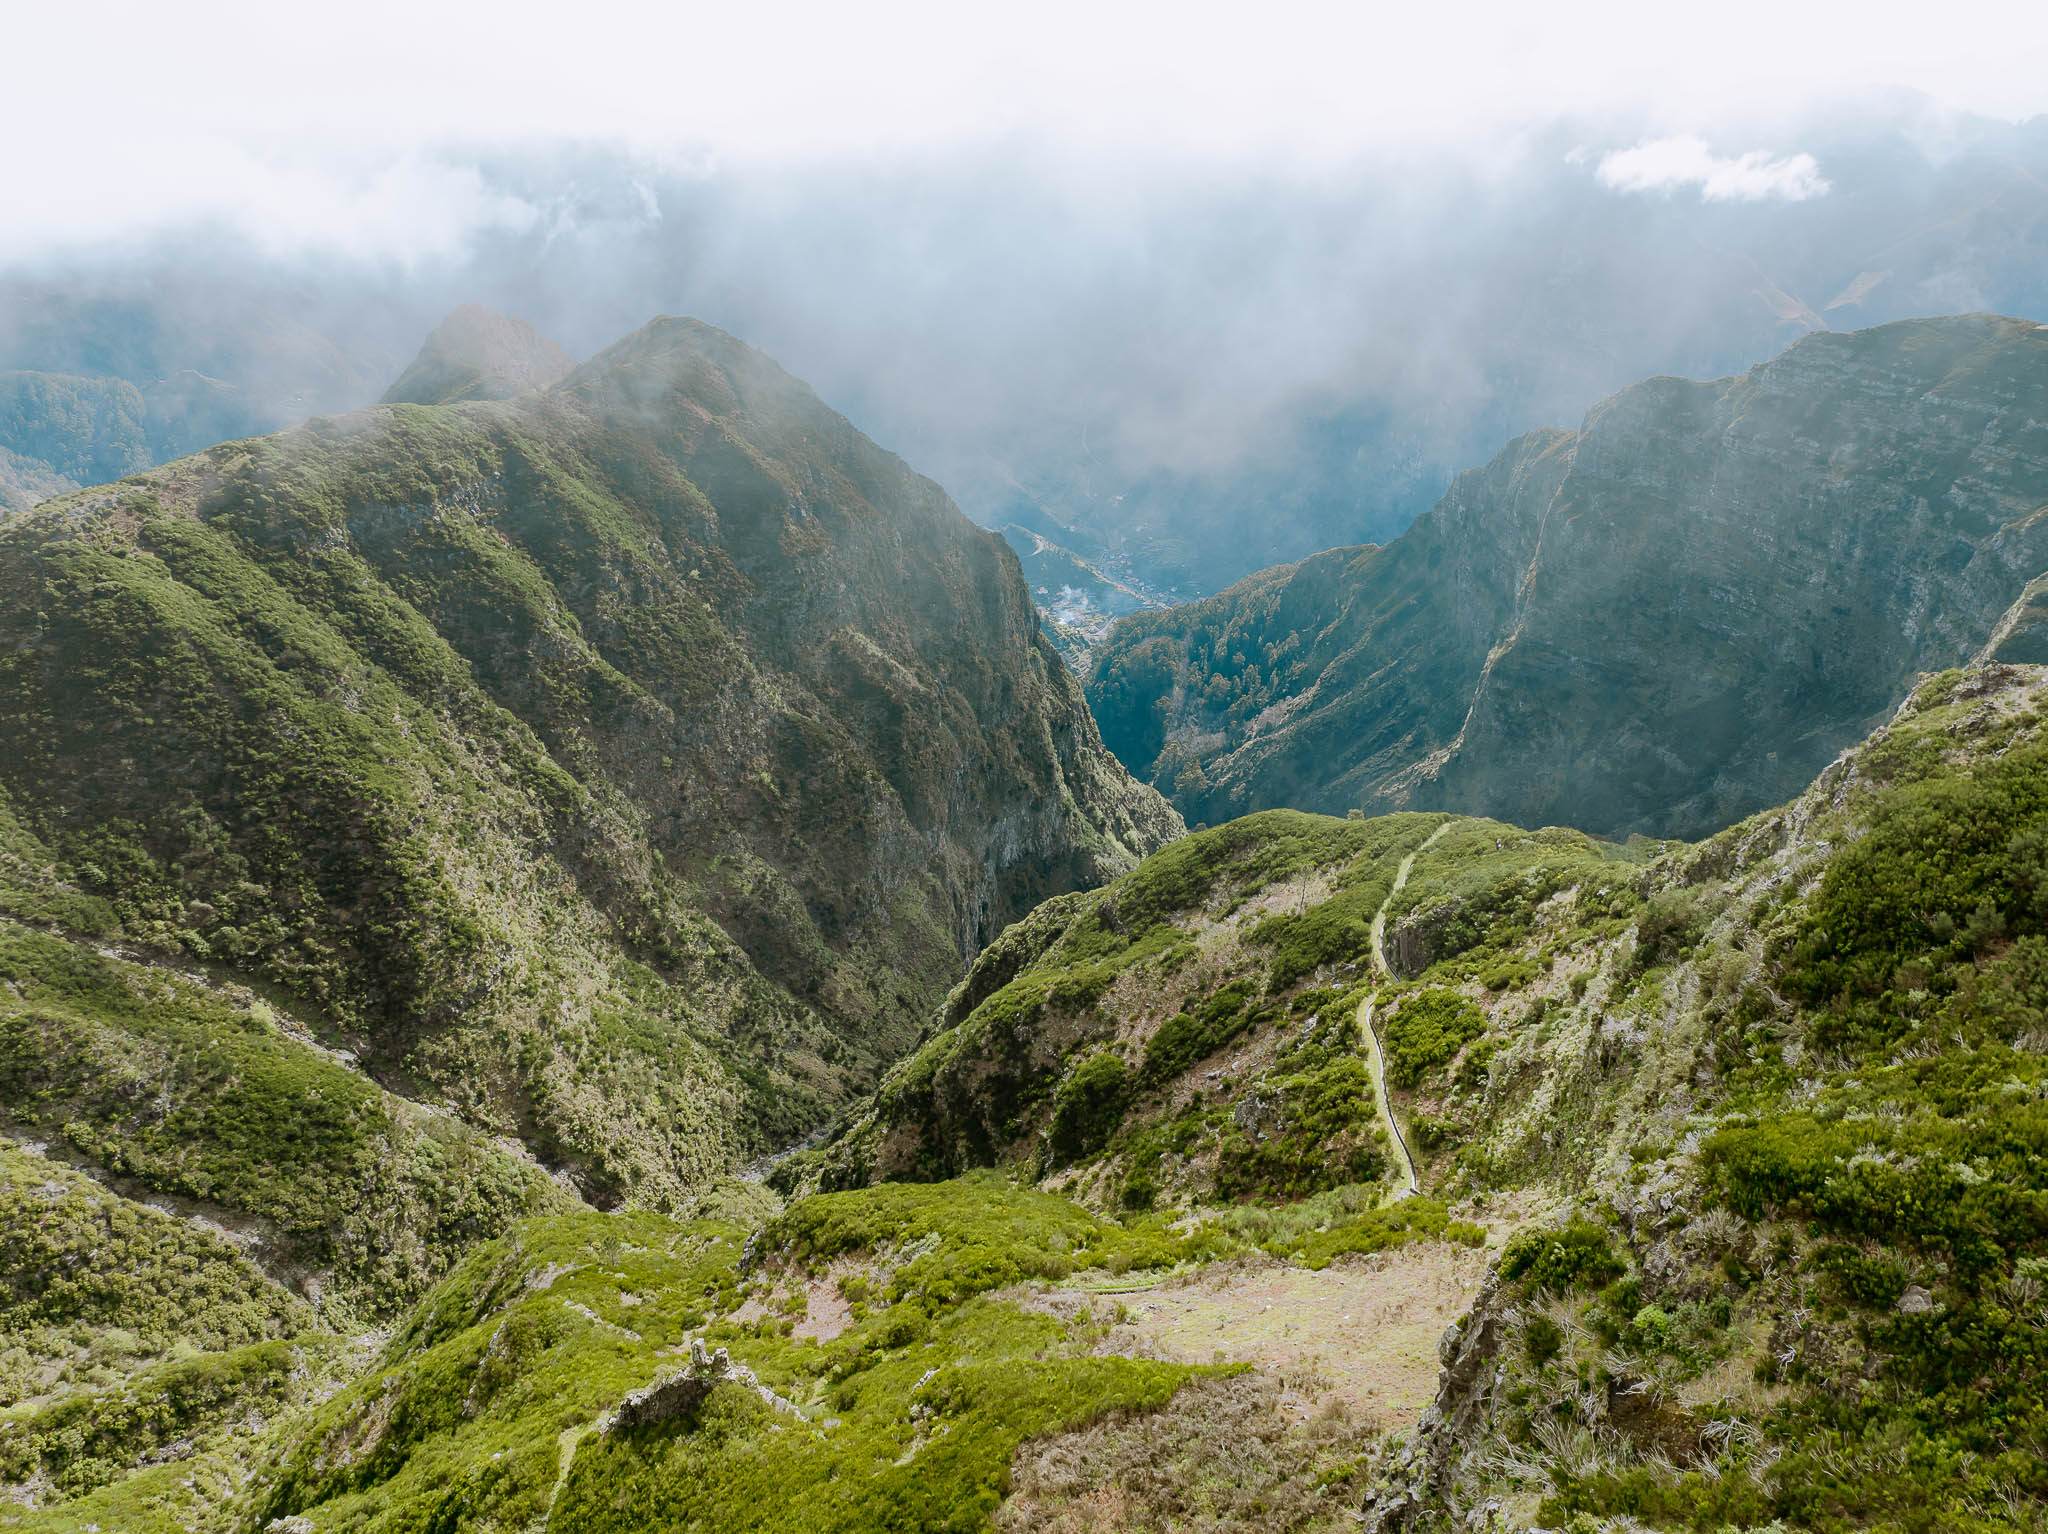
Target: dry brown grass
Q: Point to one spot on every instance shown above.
(1249, 1452)
(1364, 1330)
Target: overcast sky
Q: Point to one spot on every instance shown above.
(349, 128)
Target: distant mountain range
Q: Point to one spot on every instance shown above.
(1658, 623)
(1332, 348)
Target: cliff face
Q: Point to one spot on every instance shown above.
(629, 767)
(1658, 623)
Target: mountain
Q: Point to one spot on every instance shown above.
(87, 429)
(475, 354)
(1330, 381)
(627, 768)
(1305, 380)
(59, 431)
(25, 481)
(1657, 623)
(1750, 1126)
(1413, 1172)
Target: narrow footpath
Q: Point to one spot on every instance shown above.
(1375, 1057)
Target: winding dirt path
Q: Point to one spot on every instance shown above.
(1375, 1056)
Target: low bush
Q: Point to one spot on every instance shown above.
(1426, 1029)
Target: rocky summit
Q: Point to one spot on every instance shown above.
(1658, 623)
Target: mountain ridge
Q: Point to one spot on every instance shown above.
(553, 734)
(1598, 628)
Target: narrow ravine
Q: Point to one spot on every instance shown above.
(1375, 1056)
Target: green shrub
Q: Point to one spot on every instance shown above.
(1670, 923)
(1426, 1029)
(1088, 1107)
(1298, 1134)
(1187, 1038)
(1573, 1256)
(1542, 1339)
(1378, 1230)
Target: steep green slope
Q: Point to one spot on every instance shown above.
(1748, 1128)
(25, 481)
(394, 807)
(1193, 1031)
(197, 1204)
(1660, 623)
(627, 768)
(1766, 1110)
(84, 429)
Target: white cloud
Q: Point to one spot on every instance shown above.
(1672, 164)
(405, 206)
(119, 116)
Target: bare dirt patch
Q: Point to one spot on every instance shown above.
(1365, 1329)
(1224, 1454)
(826, 1311)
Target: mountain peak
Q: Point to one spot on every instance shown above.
(675, 356)
(478, 353)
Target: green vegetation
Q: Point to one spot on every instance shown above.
(1575, 1256)
(1309, 1124)
(410, 819)
(153, 1077)
(487, 1407)
(1088, 1107)
(1863, 1227)
(87, 1440)
(1340, 927)
(1346, 1221)
(1426, 1029)
(400, 719)
(79, 1263)
(1473, 897)
(366, 759)
(920, 1441)
(1496, 658)
(1019, 1060)
(972, 1234)
(1189, 1037)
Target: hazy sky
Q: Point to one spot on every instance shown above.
(350, 128)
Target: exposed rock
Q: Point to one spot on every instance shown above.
(1417, 1481)
(676, 1397)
